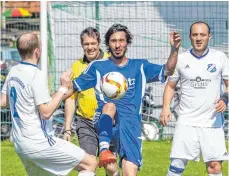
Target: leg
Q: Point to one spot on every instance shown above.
(212, 141)
(87, 166)
(214, 168)
(111, 169)
(129, 168)
(31, 168)
(104, 126)
(60, 159)
(87, 136)
(130, 144)
(185, 147)
(177, 167)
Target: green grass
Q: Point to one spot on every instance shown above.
(155, 161)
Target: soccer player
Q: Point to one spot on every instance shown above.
(86, 100)
(125, 112)
(26, 91)
(199, 126)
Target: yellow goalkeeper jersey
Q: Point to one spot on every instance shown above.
(86, 100)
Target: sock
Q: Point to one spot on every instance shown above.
(220, 174)
(86, 173)
(105, 132)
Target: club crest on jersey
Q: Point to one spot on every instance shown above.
(211, 68)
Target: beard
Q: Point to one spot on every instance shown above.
(118, 57)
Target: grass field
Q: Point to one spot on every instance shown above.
(155, 161)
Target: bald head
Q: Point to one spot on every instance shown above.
(27, 43)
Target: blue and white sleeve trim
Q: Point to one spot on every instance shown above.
(161, 76)
(76, 86)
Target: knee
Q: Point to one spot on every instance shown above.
(177, 166)
(89, 164)
(112, 169)
(92, 164)
(129, 168)
(214, 167)
(109, 109)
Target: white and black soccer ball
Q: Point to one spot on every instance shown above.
(114, 85)
(150, 131)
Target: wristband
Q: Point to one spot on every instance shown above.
(224, 98)
(64, 90)
(67, 131)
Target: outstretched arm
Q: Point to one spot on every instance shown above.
(175, 42)
(47, 109)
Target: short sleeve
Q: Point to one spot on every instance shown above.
(40, 89)
(175, 77)
(153, 72)
(87, 79)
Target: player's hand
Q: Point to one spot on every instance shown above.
(66, 78)
(165, 116)
(175, 39)
(67, 136)
(220, 105)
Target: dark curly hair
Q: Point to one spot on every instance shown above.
(116, 28)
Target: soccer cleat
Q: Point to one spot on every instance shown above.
(105, 157)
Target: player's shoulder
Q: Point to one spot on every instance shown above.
(184, 54)
(138, 60)
(77, 62)
(216, 52)
(99, 61)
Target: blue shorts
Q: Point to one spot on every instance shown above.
(127, 137)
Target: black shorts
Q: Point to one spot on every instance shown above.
(88, 137)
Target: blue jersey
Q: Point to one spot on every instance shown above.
(138, 72)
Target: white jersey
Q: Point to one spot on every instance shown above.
(201, 83)
(26, 89)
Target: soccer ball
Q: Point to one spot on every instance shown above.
(114, 85)
(150, 131)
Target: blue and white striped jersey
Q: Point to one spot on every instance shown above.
(26, 88)
(138, 72)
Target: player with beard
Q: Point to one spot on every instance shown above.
(124, 113)
(199, 127)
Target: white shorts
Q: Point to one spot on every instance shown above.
(58, 159)
(190, 142)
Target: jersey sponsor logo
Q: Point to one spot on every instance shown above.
(211, 68)
(199, 83)
(131, 83)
